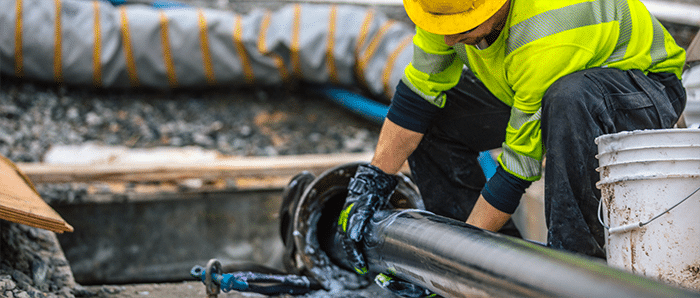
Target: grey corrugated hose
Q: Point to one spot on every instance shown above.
(97, 44)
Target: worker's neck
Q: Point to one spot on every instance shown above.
(488, 40)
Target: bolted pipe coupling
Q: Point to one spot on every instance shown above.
(308, 215)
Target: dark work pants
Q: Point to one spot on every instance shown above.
(575, 110)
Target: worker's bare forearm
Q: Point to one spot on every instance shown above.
(487, 217)
(394, 146)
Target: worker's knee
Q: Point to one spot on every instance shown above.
(575, 87)
(572, 96)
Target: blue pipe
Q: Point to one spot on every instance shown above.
(376, 112)
(159, 4)
(364, 107)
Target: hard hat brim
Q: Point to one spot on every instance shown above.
(451, 23)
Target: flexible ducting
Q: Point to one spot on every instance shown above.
(97, 44)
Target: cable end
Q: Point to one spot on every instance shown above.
(625, 228)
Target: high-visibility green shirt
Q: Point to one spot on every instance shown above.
(541, 42)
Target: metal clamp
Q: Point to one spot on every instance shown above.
(213, 267)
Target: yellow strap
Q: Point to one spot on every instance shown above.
(19, 60)
(204, 44)
(294, 51)
(330, 45)
(57, 64)
(167, 54)
(364, 30)
(129, 56)
(262, 48)
(240, 49)
(96, 52)
(389, 66)
(372, 48)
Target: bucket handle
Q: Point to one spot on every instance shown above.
(634, 226)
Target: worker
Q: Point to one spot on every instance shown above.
(527, 76)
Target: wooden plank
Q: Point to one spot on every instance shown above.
(20, 203)
(220, 168)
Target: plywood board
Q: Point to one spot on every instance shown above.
(219, 168)
(20, 203)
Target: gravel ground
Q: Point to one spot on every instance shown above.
(264, 121)
(254, 121)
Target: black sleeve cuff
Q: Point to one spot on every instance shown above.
(503, 191)
(411, 111)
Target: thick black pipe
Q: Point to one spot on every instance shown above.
(454, 259)
(447, 256)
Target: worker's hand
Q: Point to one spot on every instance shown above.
(368, 191)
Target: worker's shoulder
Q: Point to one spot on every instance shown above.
(553, 11)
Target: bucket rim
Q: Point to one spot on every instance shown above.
(605, 181)
(650, 161)
(647, 148)
(622, 134)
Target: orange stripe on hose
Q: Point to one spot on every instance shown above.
(389, 66)
(262, 48)
(364, 31)
(330, 45)
(96, 52)
(126, 42)
(57, 50)
(167, 54)
(19, 59)
(372, 48)
(240, 49)
(204, 44)
(296, 64)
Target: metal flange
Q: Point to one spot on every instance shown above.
(308, 217)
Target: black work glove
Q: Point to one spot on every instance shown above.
(368, 191)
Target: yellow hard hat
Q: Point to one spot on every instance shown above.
(446, 17)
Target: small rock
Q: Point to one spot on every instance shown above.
(314, 137)
(176, 141)
(20, 277)
(10, 111)
(39, 269)
(35, 293)
(92, 119)
(271, 151)
(72, 113)
(202, 140)
(79, 291)
(246, 131)
(7, 284)
(65, 292)
(216, 126)
(110, 290)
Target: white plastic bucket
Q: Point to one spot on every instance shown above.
(642, 174)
